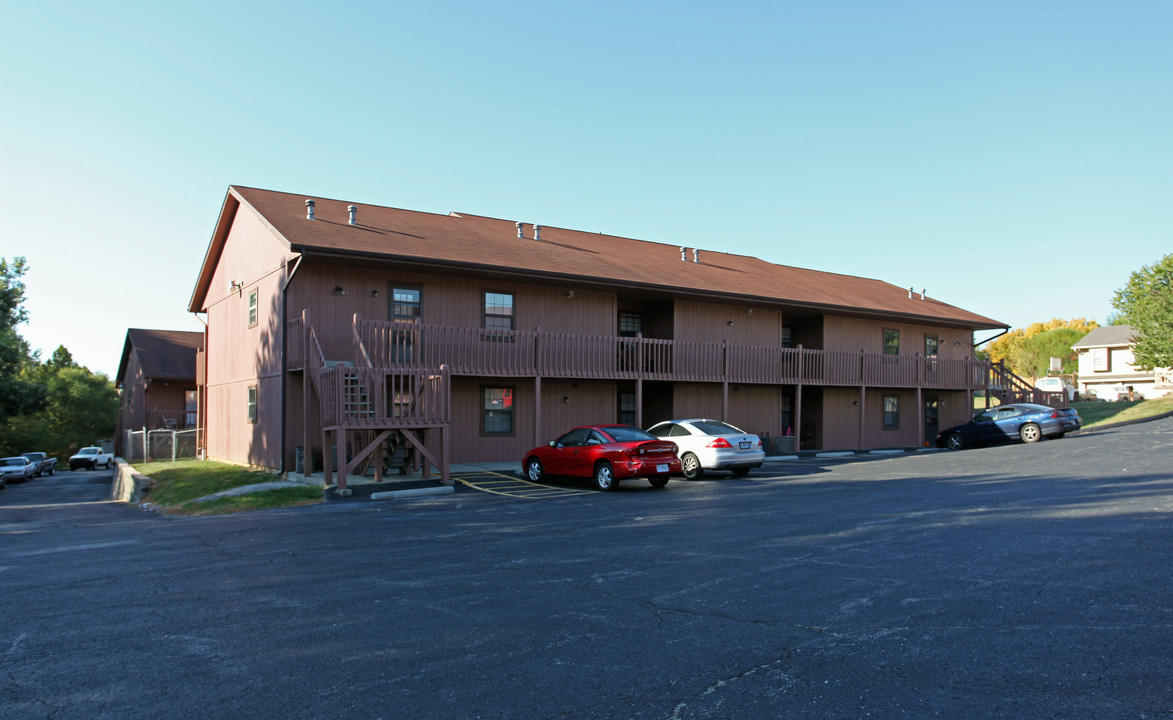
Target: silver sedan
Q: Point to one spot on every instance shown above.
(711, 445)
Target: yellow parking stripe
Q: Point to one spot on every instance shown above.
(512, 486)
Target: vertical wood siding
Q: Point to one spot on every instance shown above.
(853, 334)
(239, 355)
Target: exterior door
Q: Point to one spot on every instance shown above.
(932, 419)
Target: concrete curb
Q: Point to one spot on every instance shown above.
(413, 492)
(128, 486)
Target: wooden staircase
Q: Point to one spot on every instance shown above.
(1010, 388)
(378, 416)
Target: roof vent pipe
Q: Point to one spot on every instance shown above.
(353, 210)
(922, 293)
(538, 233)
(683, 254)
(519, 235)
(910, 292)
(696, 255)
(309, 209)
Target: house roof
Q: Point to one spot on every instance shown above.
(1107, 336)
(162, 354)
(468, 241)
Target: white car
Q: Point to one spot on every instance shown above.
(1056, 385)
(16, 469)
(711, 445)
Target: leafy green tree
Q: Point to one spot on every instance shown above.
(1146, 304)
(81, 409)
(1028, 351)
(17, 393)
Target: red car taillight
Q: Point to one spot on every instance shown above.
(719, 443)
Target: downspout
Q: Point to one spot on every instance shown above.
(202, 398)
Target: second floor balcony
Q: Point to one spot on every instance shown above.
(522, 353)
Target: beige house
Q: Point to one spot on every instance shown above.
(362, 337)
(1106, 366)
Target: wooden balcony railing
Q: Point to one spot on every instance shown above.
(359, 397)
(522, 353)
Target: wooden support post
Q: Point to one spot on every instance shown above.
(862, 415)
(340, 438)
(639, 402)
(537, 411)
(327, 470)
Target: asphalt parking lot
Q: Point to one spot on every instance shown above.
(1017, 582)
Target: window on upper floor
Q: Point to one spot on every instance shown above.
(405, 303)
(891, 342)
(787, 336)
(497, 313)
(932, 345)
(630, 324)
(252, 309)
(1099, 359)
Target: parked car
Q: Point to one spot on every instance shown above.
(91, 458)
(46, 463)
(711, 445)
(607, 453)
(1025, 421)
(1056, 385)
(17, 469)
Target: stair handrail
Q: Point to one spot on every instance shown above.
(362, 348)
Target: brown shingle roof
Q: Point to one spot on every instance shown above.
(492, 244)
(162, 354)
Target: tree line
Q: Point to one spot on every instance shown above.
(1145, 304)
(55, 406)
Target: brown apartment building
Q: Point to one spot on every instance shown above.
(460, 338)
(157, 382)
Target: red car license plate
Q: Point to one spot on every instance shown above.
(661, 468)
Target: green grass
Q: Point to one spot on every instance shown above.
(178, 483)
(1104, 413)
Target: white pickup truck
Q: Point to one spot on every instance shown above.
(91, 458)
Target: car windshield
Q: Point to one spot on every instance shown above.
(13, 461)
(88, 451)
(626, 433)
(715, 427)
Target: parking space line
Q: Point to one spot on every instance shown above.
(512, 486)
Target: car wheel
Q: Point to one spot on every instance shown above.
(1030, 433)
(954, 441)
(690, 467)
(658, 481)
(533, 470)
(605, 476)
(740, 472)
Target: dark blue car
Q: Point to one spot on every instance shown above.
(1025, 421)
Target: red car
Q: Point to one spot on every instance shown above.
(607, 453)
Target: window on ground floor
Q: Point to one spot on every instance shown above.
(497, 411)
(891, 412)
(252, 403)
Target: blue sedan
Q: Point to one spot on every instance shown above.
(1025, 421)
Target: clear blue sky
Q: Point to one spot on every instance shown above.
(1014, 158)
